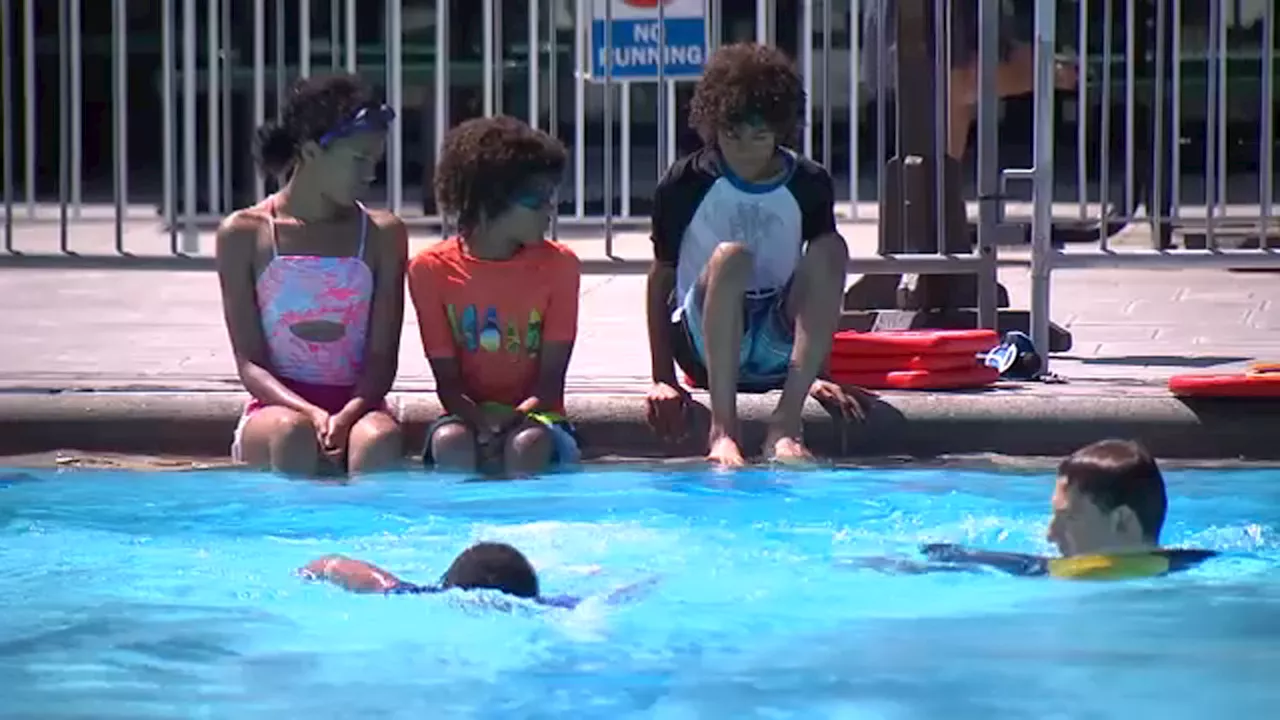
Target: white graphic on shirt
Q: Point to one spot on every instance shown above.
(753, 225)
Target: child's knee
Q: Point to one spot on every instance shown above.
(293, 431)
(731, 258)
(829, 249)
(534, 441)
(451, 441)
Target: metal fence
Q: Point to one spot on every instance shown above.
(1169, 134)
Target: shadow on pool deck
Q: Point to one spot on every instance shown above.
(1013, 420)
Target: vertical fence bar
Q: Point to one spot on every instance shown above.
(1042, 200)
(1082, 111)
(64, 125)
(259, 90)
(1155, 203)
(1104, 124)
(77, 107)
(1130, 103)
(624, 142)
(499, 60)
(304, 38)
(535, 63)
(714, 22)
(672, 149)
(660, 99)
(1175, 85)
(585, 15)
(168, 132)
(806, 69)
(120, 124)
(335, 27)
(28, 104)
(442, 91)
(1211, 130)
(212, 106)
(855, 102)
(941, 70)
(608, 128)
(1267, 129)
(1224, 89)
(486, 61)
(395, 88)
(826, 84)
(281, 59)
(190, 239)
(988, 160)
(227, 101)
(350, 28)
(884, 113)
(553, 93)
(6, 122)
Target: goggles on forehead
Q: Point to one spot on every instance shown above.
(375, 117)
(536, 195)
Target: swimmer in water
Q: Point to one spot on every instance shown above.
(1109, 504)
(483, 566)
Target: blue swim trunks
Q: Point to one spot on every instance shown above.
(768, 336)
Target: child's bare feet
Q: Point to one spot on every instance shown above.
(724, 451)
(786, 448)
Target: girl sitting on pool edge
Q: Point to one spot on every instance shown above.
(313, 289)
(1109, 505)
(483, 566)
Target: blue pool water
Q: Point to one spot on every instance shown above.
(172, 595)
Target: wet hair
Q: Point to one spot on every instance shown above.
(315, 106)
(1116, 473)
(748, 82)
(492, 566)
(485, 162)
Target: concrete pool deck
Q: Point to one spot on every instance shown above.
(131, 356)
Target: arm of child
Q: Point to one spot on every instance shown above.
(350, 574)
(438, 343)
(236, 247)
(1012, 563)
(559, 333)
(382, 356)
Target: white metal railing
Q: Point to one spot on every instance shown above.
(1154, 82)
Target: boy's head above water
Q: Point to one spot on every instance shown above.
(749, 101)
(497, 178)
(492, 566)
(1109, 498)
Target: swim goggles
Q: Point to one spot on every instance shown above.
(369, 117)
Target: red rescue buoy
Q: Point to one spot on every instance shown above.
(898, 343)
(975, 377)
(890, 363)
(1265, 384)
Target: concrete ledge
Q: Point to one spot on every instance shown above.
(1035, 420)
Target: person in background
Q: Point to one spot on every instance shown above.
(497, 304)
(313, 289)
(483, 566)
(1109, 505)
(748, 274)
(1015, 73)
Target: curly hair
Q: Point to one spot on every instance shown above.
(314, 107)
(485, 162)
(748, 82)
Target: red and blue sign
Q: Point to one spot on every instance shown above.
(642, 36)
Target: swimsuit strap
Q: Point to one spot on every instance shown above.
(364, 229)
(271, 224)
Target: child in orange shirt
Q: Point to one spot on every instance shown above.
(498, 304)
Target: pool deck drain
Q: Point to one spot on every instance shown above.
(132, 360)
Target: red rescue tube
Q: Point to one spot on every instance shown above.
(978, 376)
(913, 342)
(1240, 385)
(890, 363)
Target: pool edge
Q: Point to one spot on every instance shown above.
(903, 424)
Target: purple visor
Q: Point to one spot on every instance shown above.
(368, 118)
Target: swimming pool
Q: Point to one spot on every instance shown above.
(129, 595)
